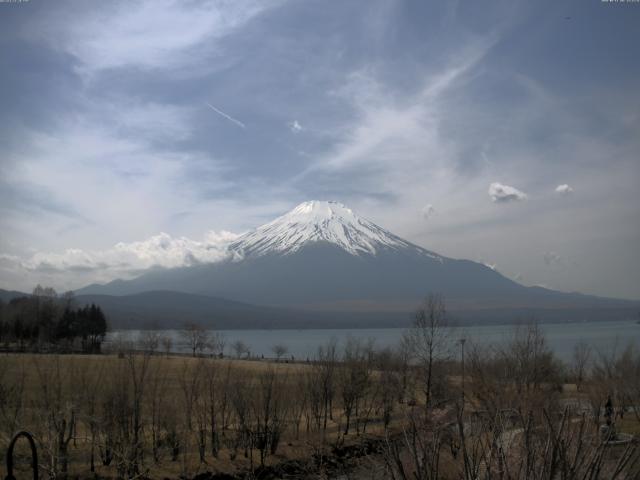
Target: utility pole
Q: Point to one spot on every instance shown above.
(462, 342)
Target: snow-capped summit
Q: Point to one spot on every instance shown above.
(318, 221)
(329, 267)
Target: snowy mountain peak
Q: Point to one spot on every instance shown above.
(316, 211)
(318, 221)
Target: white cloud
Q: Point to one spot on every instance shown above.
(504, 193)
(9, 262)
(149, 120)
(295, 126)
(149, 34)
(125, 260)
(427, 211)
(390, 130)
(564, 189)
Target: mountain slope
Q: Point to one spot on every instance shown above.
(7, 295)
(322, 257)
(166, 309)
(315, 222)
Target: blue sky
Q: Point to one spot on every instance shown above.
(150, 132)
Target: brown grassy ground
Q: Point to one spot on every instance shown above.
(39, 371)
(78, 374)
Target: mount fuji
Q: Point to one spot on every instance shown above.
(316, 222)
(321, 262)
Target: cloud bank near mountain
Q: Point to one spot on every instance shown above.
(124, 260)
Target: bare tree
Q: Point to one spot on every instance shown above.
(196, 337)
(122, 414)
(521, 375)
(538, 445)
(149, 341)
(121, 344)
(428, 339)
(58, 412)
(217, 343)
(167, 343)
(89, 380)
(157, 403)
(325, 367)
(213, 398)
(353, 378)
(529, 359)
(402, 355)
(388, 383)
(579, 363)
(416, 453)
(616, 374)
(138, 369)
(12, 398)
(189, 381)
(315, 397)
(202, 408)
(240, 400)
(269, 412)
(298, 401)
(240, 348)
(628, 367)
(279, 350)
(68, 299)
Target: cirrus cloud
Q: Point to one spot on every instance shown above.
(157, 34)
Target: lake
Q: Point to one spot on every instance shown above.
(302, 344)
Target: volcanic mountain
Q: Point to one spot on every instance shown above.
(321, 258)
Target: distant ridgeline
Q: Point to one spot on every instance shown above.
(47, 321)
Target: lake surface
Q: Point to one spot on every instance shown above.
(303, 344)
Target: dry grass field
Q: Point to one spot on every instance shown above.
(185, 415)
(135, 414)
